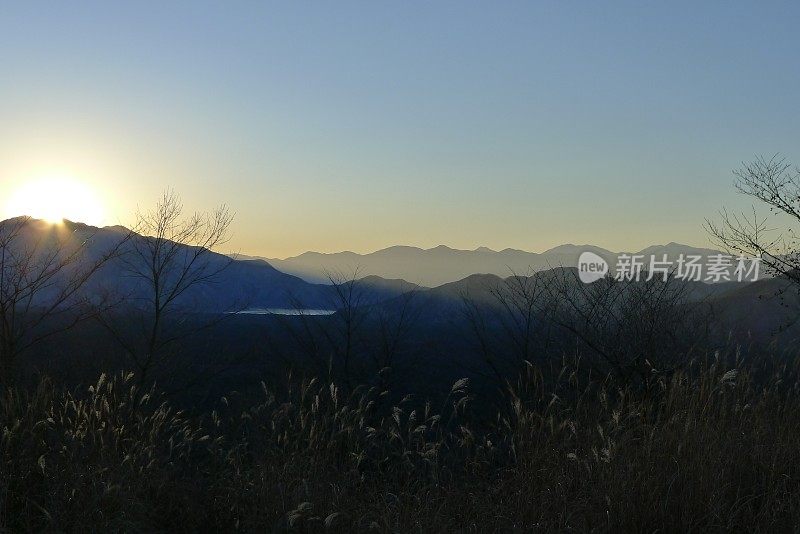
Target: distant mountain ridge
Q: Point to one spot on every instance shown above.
(384, 274)
(441, 265)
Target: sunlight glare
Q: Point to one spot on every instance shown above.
(56, 199)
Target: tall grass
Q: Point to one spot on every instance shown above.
(709, 448)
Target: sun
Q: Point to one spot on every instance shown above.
(56, 199)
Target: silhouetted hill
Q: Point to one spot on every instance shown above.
(238, 284)
(766, 309)
(447, 302)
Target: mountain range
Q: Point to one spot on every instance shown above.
(441, 265)
(257, 283)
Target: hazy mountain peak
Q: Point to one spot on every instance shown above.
(673, 248)
(569, 248)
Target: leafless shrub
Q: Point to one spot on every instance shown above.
(43, 270)
(635, 330)
(169, 256)
(775, 183)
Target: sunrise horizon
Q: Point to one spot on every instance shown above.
(485, 139)
(57, 219)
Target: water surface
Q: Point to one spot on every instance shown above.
(284, 311)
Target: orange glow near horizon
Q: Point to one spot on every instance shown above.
(55, 199)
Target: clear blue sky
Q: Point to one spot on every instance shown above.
(339, 125)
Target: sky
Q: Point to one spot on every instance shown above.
(336, 126)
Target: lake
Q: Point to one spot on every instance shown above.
(284, 311)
